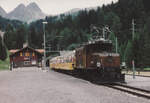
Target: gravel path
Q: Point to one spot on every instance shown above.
(31, 85)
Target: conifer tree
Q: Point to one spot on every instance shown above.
(3, 53)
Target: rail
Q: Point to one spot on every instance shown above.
(131, 90)
(138, 75)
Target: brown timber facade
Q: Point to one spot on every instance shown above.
(26, 57)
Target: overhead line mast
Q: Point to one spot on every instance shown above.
(133, 34)
(133, 29)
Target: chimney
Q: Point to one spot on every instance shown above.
(25, 45)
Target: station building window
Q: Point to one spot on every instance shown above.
(33, 54)
(27, 54)
(21, 54)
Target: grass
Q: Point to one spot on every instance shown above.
(4, 65)
(147, 69)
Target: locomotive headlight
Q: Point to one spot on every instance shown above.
(98, 64)
(92, 62)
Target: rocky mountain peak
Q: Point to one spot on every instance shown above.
(20, 6)
(33, 6)
(27, 13)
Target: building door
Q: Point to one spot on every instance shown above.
(27, 63)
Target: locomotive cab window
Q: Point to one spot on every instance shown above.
(100, 48)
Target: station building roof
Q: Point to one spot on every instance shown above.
(14, 51)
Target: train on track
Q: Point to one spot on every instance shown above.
(94, 59)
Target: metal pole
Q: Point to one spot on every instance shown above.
(133, 65)
(116, 45)
(133, 33)
(104, 33)
(44, 47)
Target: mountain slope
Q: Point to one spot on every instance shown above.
(2, 12)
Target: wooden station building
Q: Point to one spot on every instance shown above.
(26, 57)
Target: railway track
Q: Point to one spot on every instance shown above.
(131, 90)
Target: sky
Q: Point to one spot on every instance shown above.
(53, 7)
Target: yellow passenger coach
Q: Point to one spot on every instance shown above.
(65, 62)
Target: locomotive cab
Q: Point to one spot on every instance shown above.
(95, 52)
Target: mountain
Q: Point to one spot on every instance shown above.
(18, 13)
(26, 13)
(75, 11)
(35, 12)
(72, 11)
(2, 12)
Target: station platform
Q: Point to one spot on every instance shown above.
(138, 82)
